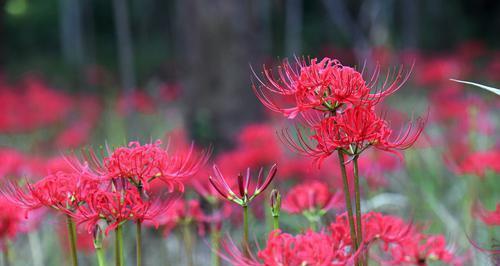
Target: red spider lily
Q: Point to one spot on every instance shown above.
(311, 197)
(182, 212)
(243, 197)
(16, 164)
(385, 229)
(352, 131)
(13, 163)
(31, 105)
(11, 219)
(479, 162)
(376, 165)
(309, 248)
(420, 249)
(74, 136)
(401, 242)
(61, 191)
(141, 164)
(491, 218)
(202, 185)
(256, 146)
(324, 86)
(118, 206)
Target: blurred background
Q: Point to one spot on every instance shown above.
(201, 52)
(78, 73)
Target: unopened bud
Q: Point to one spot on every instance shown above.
(275, 202)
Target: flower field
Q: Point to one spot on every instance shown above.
(264, 133)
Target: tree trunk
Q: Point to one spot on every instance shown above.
(2, 34)
(124, 45)
(293, 27)
(216, 42)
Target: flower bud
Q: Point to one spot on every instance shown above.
(275, 202)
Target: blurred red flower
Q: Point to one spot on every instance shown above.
(312, 196)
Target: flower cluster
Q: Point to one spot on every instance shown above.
(339, 107)
(392, 241)
(114, 189)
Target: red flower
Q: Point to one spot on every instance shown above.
(376, 165)
(309, 248)
(352, 131)
(11, 219)
(311, 197)
(61, 191)
(141, 164)
(400, 244)
(120, 204)
(182, 211)
(74, 136)
(386, 229)
(420, 249)
(324, 86)
(244, 195)
(479, 162)
(491, 218)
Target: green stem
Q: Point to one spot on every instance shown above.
(215, 238)
(313, 225)
(276, 222)
(101, 257)
(6, 257)
(72, 239)
(357, 198)
(188, 243)
(138, 243)
(119, 246)
(245, 231)
(348, 204)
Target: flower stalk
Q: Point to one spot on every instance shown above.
(188, 242)
(348, 200)
(244, 243)
(357, 198)
(215, 239)
(99, 249)
(138, 243)
(6, 255)
(101, 256)
(72, 239)
(119, 246)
